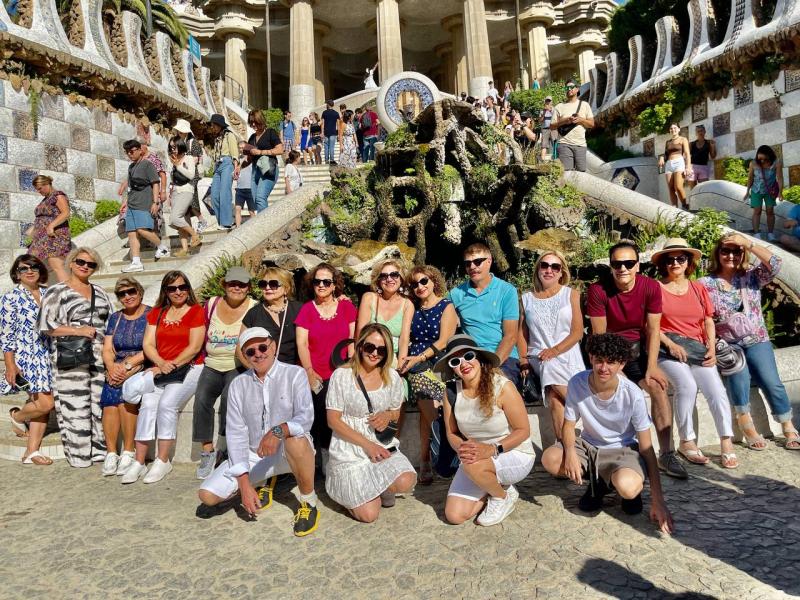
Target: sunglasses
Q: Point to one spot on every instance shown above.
(618, 264)
(555, 267)
(456, 361)
(126, 292)
(237, 284)
(475, 262)
(272, 284)
(731, 251)
(681, 260)
(326, 283)
(385, 276)
(423, 281)
(171, 289)
(85, 263)
(251, 352)
(570, 87)
(370, 348)
(25, 269)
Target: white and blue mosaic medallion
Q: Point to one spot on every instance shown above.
(626, 177)
(402, 97)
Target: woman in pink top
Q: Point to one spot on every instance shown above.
(321, 324)
(687, 350)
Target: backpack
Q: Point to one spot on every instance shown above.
(366, 121)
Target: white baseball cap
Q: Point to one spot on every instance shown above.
(253, 333)
(183, 126)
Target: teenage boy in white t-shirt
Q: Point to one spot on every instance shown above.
(614, 417)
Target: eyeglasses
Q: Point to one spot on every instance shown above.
(555, 267)
(618, 264)
(171, 289)
(238, 284)
(126, 292)
(728, 251)
(385, 276)
(21, 270)
(85, 263)
(272, 284)
(456, 361)
(423, 281)
(570, 86)
(326, 283)
(681, 260)
(475, 262)
(370, 348)
(251, 352)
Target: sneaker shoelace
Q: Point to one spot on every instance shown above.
(304, 512)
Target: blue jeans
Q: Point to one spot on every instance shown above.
(510, 369)
(261, 187)
(222, 191)
(330, 147)
(764, 372)
(369, 148)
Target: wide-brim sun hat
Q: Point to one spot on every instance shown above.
(676, 245)
(218, 119)
(253, 333)
(461, 343)
(182, 126)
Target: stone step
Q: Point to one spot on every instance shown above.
(13, 447)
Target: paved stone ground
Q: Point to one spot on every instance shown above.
(91, 537)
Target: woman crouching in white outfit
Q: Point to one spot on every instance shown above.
(488, 427)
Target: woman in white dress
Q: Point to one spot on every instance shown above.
(363, 473)
(551, 328)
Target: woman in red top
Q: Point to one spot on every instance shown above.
(321, 324)
(688, 354)
(172, 342)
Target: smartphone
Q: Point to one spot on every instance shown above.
(392, 449)
(21, 383)
(317, 387)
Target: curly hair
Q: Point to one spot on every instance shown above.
(432, 273)
(336, 274)
(379, 266)
(609, 346)
(486, 398)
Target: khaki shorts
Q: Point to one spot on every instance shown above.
(607, 460)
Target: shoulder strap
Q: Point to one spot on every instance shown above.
(377, 300)
(113, 333)
(364, 391)
(91, 310)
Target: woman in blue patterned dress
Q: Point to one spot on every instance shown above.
(123, 356)
(433, 324)
(26, 353)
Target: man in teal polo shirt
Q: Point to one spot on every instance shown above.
(488, 309)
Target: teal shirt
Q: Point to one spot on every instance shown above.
(482, 315)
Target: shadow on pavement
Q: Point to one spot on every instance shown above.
(617, 581)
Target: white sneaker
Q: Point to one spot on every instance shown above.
(125, 462)
(161, 252)
(772, 237)
(759, 236)
(133, 473)
(498, 509)
(110, 464)
(134, 267)
(158, 470)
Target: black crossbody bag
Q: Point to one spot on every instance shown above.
(74, 351)
(386, 435)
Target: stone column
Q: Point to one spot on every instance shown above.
(302, 81)
(476, 38)
(583, 47)
(256, 63)
(235, 68)
(445, 54)
(320, 31)
(513, 71)
(390, 49)
(535, 20)
(327, 54)
(585, 62)
(458, 66)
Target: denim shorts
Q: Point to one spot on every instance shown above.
(245, 196)
(138, 219)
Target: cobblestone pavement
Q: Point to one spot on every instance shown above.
(71, 533)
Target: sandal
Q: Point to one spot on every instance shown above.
(729, 460)
(20, 428)
(37, 458)
(752, 439)
(696, 457)
(793, 442)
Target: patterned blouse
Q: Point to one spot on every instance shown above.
(727, 302)
(19, 333)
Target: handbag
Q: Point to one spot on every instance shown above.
(74, 351)
(773, 190)
(532, 388)
(444, 458)
(695, 351)
(736, 329)
(565, 129)
(268, 165)
(386, 435)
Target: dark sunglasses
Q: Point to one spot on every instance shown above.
(681, 260)
(385, 276)
(618, 264)
(251, 352)
(238, 284)
(475, 262)
(21, 270)
(272, 284)
(456, 361)
(555, 267)
(730, 251)
(570, 86)
(126, 292)
(184, 287)
(423, 281)
(370, 348)
(326, 283)
(85, 263)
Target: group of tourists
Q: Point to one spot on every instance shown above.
(321, 386)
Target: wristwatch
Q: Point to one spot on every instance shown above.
(277, 431)
(498, 450)
(128, 366)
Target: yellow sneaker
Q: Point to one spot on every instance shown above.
(265, 492)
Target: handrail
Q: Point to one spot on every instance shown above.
(236, 87)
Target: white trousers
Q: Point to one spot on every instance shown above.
(685, 380)
(181, 203)
(160, 409)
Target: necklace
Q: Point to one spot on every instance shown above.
(324, 316)
(268, 308)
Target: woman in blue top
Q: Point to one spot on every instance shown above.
(26, 353)
(122, 356)
(433, 324)
(764, 187)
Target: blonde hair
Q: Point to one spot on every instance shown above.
(386, 365)
(715, 265)
(42, 180)
(376, 272)
(282, 275)
(84, 250)
(565, 277)
(128, 282)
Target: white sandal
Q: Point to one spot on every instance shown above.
(43, 460)
(20, 429)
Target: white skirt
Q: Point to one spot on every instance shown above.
(352, 484)
(559, 370)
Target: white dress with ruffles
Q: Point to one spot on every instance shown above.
(352, 478)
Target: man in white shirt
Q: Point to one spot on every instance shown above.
(493, 92)
(571, 119)
(269, 417)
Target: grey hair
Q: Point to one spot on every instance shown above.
(85, 250)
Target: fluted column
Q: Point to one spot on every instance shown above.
(584, 46)
(476, 38)
(538, 54)
(445, 54)
(513, 72)
(235, 67)
(458, 56)
(320, 31)
(302, 80)
(390, 48)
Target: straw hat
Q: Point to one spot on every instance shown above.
(675, 245)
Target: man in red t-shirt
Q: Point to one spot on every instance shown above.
(369, 123)
(630, 305)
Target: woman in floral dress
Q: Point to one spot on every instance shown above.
(348, 142)
(50, 232)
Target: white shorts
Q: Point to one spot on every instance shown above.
(223, 485)
(511, 467)
(675, 165)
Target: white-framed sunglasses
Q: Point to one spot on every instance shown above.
(456, 361)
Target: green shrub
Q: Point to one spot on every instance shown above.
(273, 117)
(657, 118)
(105, 210)
(80, 221)
(532, 101)
(551, 190)
(482, 177)
(401, 138)
(792, 194)
(736, 170)
(605, 146)
(213, 285)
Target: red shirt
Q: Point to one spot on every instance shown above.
(173, 337)
(686, 314)
(373, 130)
(324, 334)
(625, 312)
